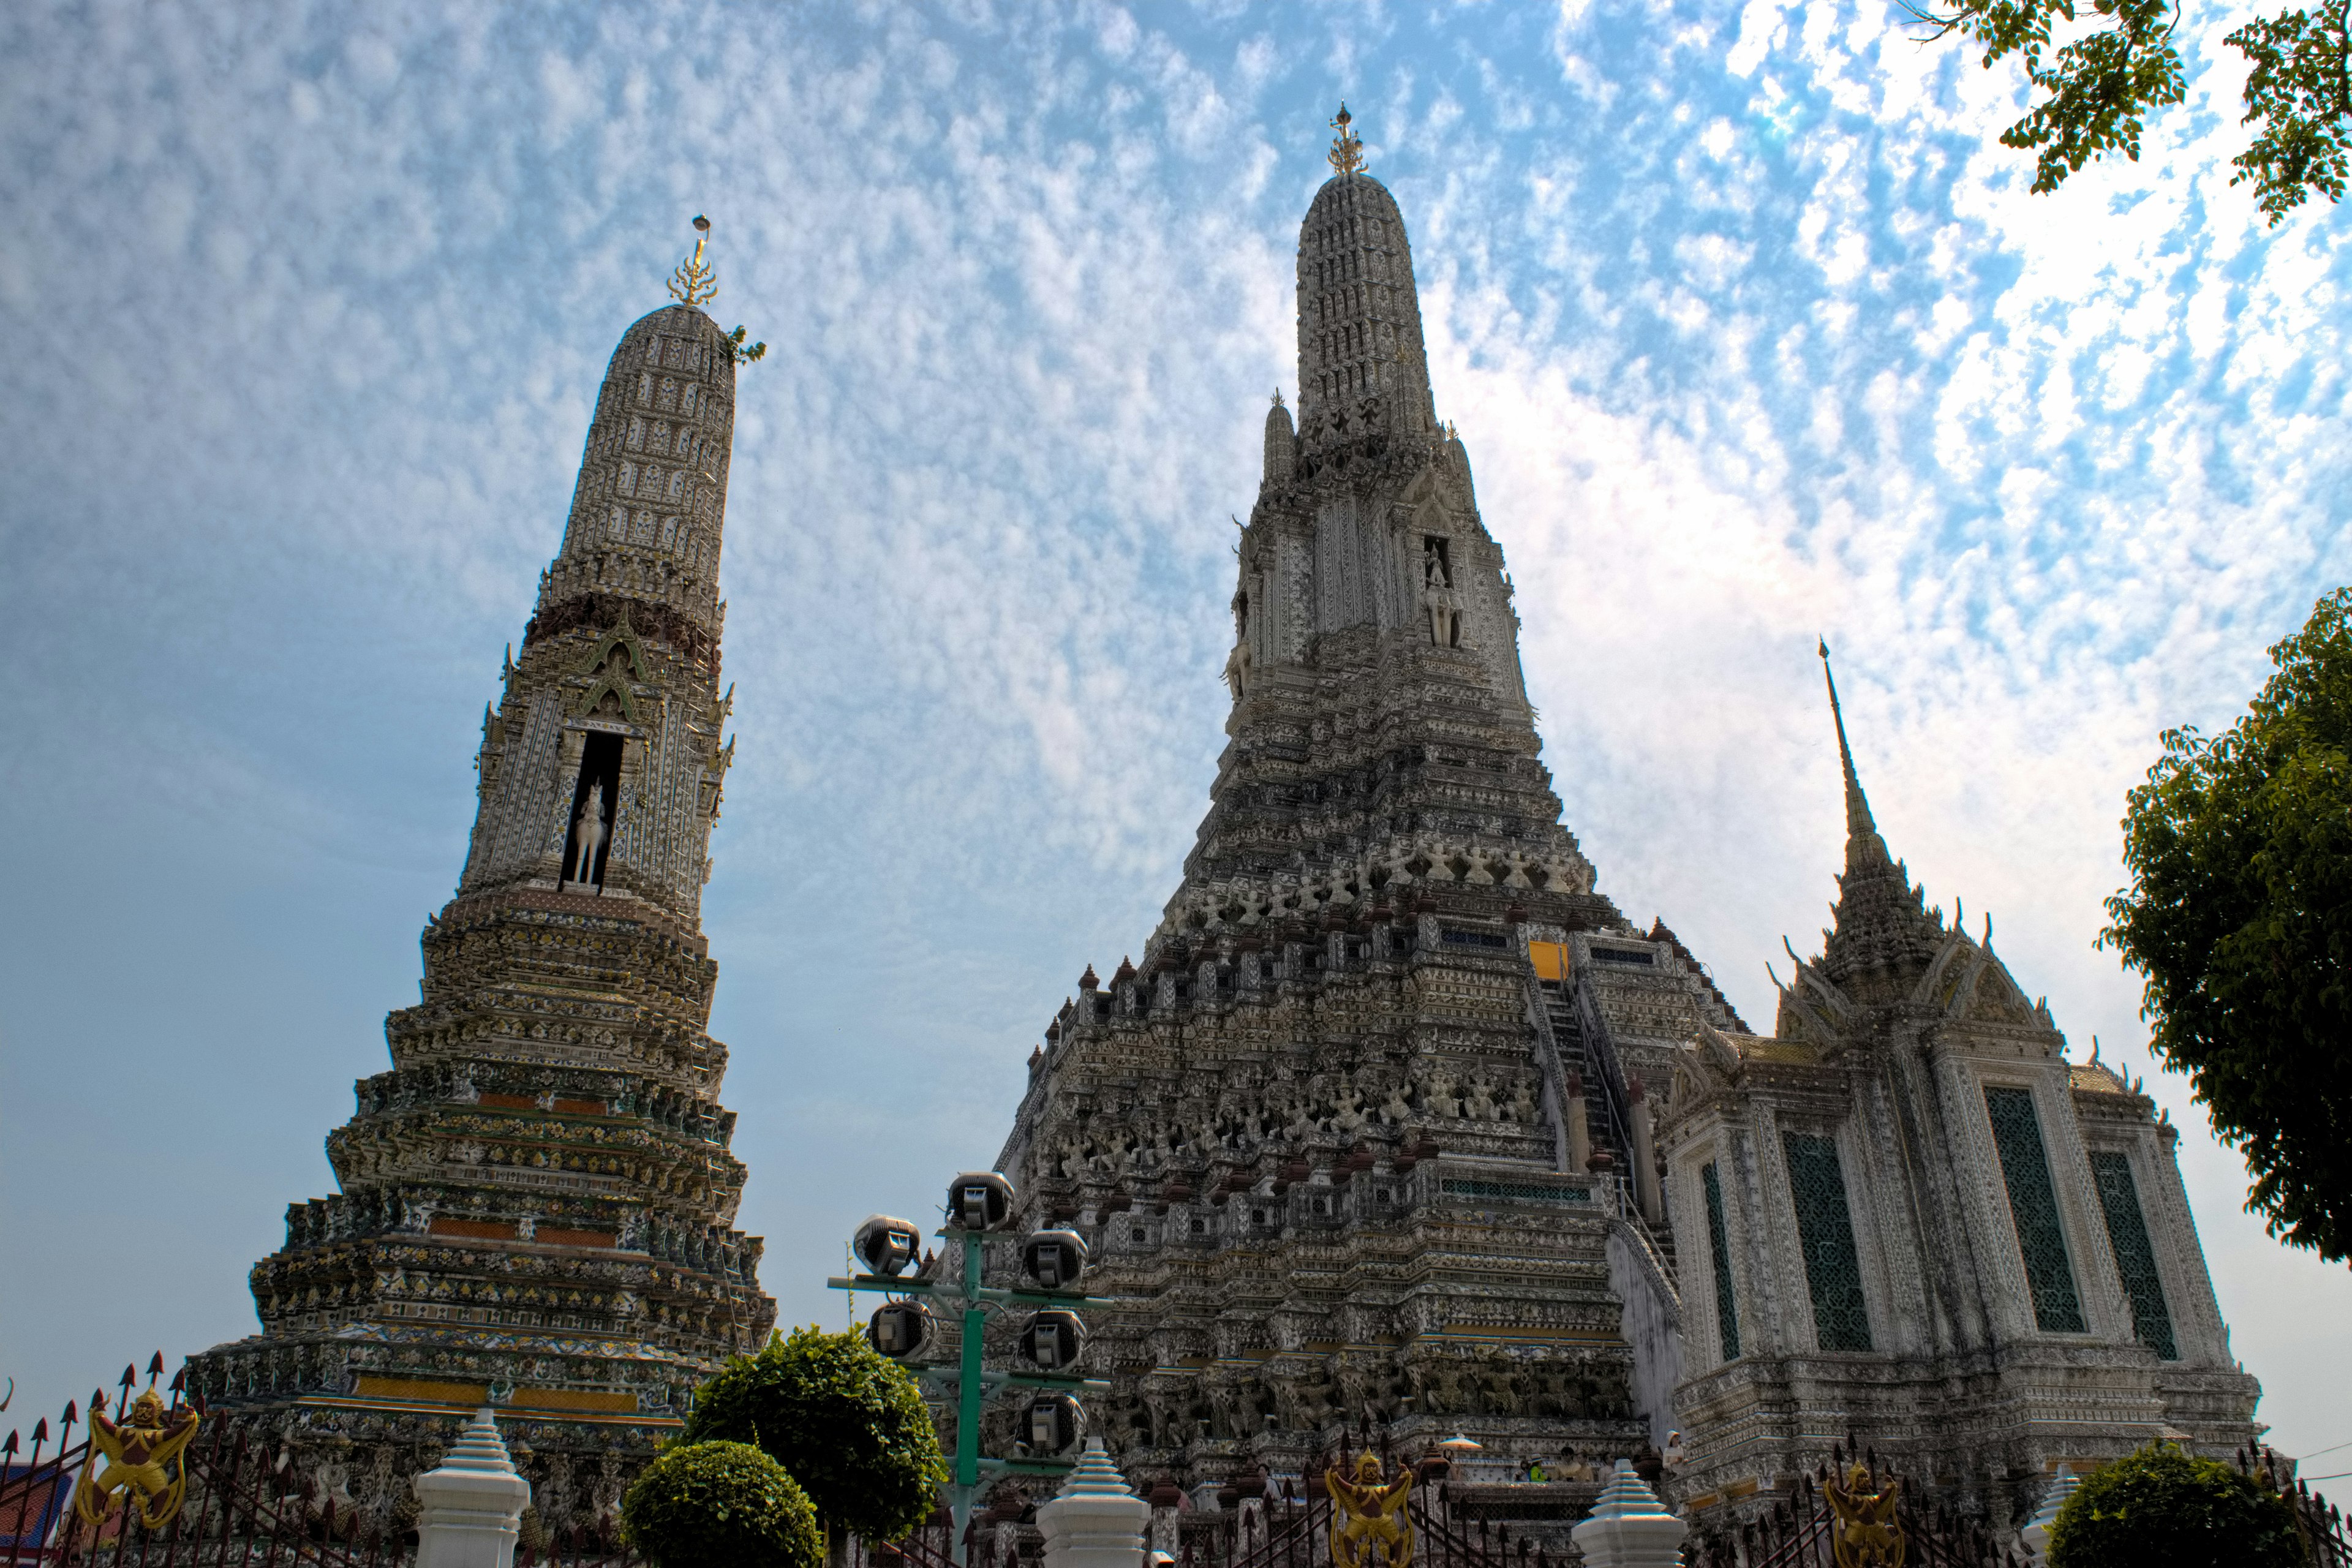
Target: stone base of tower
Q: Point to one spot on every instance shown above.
(1326, 1166)
(534, 1215)
(1984, 1441)
(362, 1449)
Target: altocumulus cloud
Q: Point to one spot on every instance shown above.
(1751, 333)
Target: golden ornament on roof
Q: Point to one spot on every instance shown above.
(1346, 153)
(694, 283)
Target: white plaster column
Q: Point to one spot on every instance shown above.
(470, 1510)
(1645, 1159)
(1628, 1527)
(1579, 1129)
(1095, 1522)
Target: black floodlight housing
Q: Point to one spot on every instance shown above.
(1055, 1423)
(1053, 1339)
(1054, 1259)
(899, 1330)
(887, 1244)
(979, 1200)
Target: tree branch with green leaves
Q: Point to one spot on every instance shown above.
(2238, 918)
(2100, 69)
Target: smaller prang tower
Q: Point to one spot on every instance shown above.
(1912, 1222)
(537, 1201)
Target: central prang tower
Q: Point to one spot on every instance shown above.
(537, 1201)
(1363, 1135)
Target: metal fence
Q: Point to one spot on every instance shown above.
(246, 1505)
(2325, 1541)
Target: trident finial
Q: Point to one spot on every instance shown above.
(694, 283)
(1346, 153)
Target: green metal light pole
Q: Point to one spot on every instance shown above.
(973, 1381)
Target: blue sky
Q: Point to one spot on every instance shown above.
(1751, 331)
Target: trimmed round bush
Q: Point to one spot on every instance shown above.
(2160, 1508)
(847, 1421)
(719, 1505)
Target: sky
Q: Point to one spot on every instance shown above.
(1752, 332)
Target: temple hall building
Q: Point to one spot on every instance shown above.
(1394, 1117)
(536, 1202)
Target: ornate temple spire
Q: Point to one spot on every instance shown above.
(1864, 847)
(1882, 926)
(650, 510)
(1362, 368)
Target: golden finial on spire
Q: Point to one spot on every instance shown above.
(1346, 153)
(694, 283)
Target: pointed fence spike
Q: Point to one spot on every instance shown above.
(130, 1375)
(10, 1446)
(41, 1427)
(155, 1367)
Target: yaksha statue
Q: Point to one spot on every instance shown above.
(1865, 1532)
(141, 1454)
(1369, 1512)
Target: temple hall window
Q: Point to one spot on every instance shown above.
(2033, 1205)
(2135, 1258)
(1727, 1310)
(1825, 1235)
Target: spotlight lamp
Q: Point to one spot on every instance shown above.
(1056, 1422)
(900, 1329)
(887, 1244)
(1053, 1339)
(1054, 1259)
(979, 1200)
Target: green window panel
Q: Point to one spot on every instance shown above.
(2135, 1259)
(1727, 1310)
(1825, 1231)
(2033, 1205)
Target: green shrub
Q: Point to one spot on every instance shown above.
(2160, 1508)
(847, 1421)
(719, 1505)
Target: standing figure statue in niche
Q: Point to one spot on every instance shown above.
(1237, 664)
(1437, 595)
(588, 833)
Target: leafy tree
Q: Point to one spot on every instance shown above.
(2099, 86)
(2239, 918)
(2160, 1508)
(847, 1421)
(703, 1503)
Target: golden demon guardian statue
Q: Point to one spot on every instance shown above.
(1367, 1511)
(1865, 1533)
(142, 1453)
